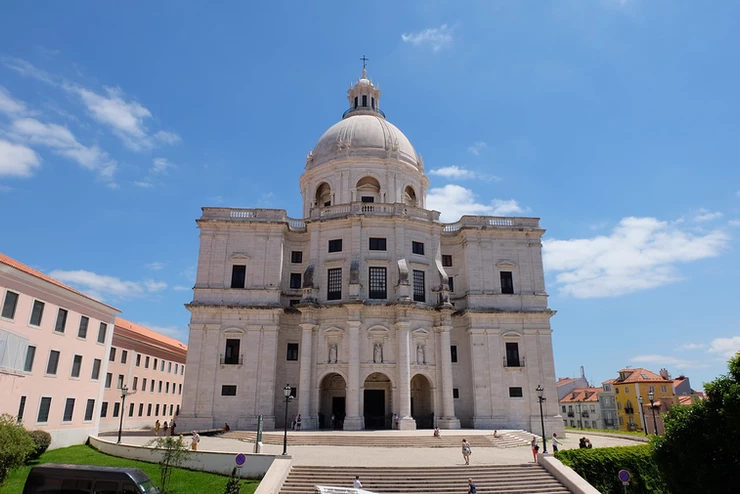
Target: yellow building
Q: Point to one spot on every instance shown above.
(633, 384)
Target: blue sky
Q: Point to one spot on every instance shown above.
(615, 122)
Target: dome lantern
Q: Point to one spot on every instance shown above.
(363, 97)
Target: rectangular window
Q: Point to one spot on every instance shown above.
(141, 409)
(335, 245)
(156, 361)
(367, 199)
(108, 380)
(101, 332)
(616, 391)
(44, 408)
(455, 393)
(378, 285)
(9, 305)
(294, 392)
(131, 410)
(21, 409)
(124, 356)
(515, 393)
(53, 363)
(161, 366)
(364, 100)
(138, 360)
(151, 386)
(37, 313)
(419, 292)
(61, 323)
(149, 410)
(116, 409)
(176, 367)
(76, 365)
(295, 281)
(228, 390)
(453, 353)
(167, 387)
(146, 362)
(292, 351)
(296, 257)
(507, 282)
(169, 367)
(179, 389)
(417, 248)
(82, 329)
(156, 410)
(112, 355)
(96, 369)
(89, 409)
(182, 369)
(238, 275)
(120, 381)
(663, 389)
(135, 384)
(334, 284)
(451, 284)
(377, 243)
(30, 355)
(512, 355)
(159, 387)
(231, 353)
(446, 260)
(143, 384)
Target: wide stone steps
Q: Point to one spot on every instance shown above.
(499, 479)
(509, 439)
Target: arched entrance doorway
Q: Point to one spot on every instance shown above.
(377, 401)
(422, 408)
(332, 401)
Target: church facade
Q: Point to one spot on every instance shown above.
(373, 312)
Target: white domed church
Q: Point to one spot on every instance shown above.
(369, 312)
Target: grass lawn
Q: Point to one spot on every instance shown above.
(182, 481)
(610, 431)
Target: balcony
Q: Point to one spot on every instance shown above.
(363, 110)
(584, 414)
(571, 414)
(629, 410)
(232, 360)
(514, 362)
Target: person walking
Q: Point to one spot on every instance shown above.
(471, 487)
(535, 448)
(156, 428)
(466, 451)
(555, 442)
(194, 441)
(357, 484)
(166, 428)
(172, 427)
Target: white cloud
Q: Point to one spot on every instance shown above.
(144, 184)
(10, 105)
(17, 160)
(454, 201)
(665, 360)
(161, 165)
(180, 334)
(436, 37)
(181, 288)
(734, 223)
(477, 147)
(102, 286)
(456, 172)
(640, 253)
(725, 347)
(706, 215)
(165, 137)
(692, 346)
(155, 266)
(189, 273)
(26, 69)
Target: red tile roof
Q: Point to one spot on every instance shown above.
(579, 395)
(639, 374)
(153, 335)
(9, 261)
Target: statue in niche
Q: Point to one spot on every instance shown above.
(333, 353)
(378, 353)
(420, 354)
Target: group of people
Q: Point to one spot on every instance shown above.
(169, 429)
(584, 442)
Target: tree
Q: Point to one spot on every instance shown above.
(174, 454)
(699, 451)
(233, 486)
(15, 445)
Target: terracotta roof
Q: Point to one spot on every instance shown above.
(685, 400)
(9, 261)
(609, 381)
(579, 395)
(566, 380)
(148, 333)
(639, 374)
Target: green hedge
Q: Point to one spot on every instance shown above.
(600, 468)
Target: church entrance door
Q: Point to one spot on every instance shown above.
(332, 399)
(422, 408)
(376, 401)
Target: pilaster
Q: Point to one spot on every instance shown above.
(405, 421)
(353, 421)
(448, 419)
(304, 387)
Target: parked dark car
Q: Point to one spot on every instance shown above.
(57, 478)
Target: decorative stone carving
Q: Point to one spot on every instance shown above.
(420, 354)
(332, 353)
(378, 353)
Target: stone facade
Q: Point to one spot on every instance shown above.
(375, 313)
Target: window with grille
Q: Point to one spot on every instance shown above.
(296, 257)
(238, 275)
(378, 283)
(82, 329)
(292, 351)
(417, 248)
(334, 284)
(377, 243)
(335, 245)
(419, 293)
(446, 260)
(295, 281)
(515, 393)
(228, 390)
(507, 282)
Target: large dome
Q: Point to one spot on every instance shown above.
(364, 136)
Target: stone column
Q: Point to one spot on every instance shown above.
(405, 421)
(304, 386)
(448, 419)
(353, 420)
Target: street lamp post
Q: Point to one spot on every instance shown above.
(642, 415)
(540, 397)
(124, 394)
(651, 397)
(286, 392)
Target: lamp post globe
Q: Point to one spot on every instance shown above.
(651, 397)
(286, 392)
(124, 393)
(541, 397)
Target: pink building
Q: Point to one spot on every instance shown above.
(152, 367)
(54, 344)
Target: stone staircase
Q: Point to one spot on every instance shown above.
(510, 439)
(490, 479)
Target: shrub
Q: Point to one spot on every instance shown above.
(601, 466)
(233, 486)
(42, 440)
(15, 445)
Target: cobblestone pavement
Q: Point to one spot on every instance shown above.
(373, 456)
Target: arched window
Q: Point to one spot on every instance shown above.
(323, 195)
(368, 189)
(364, 100)
(409, 196)
(355, 101)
